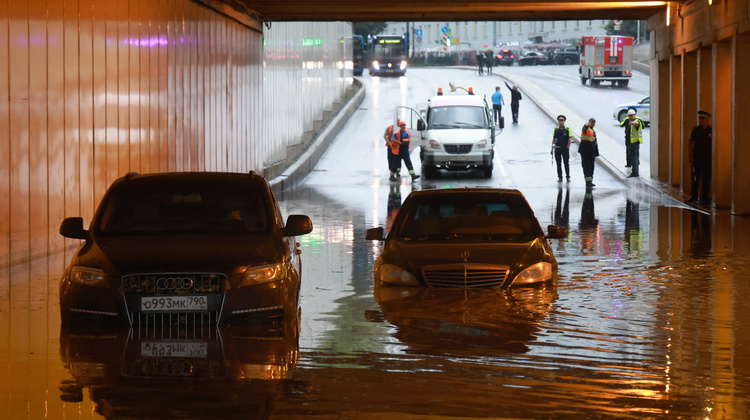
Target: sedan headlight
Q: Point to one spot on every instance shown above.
(482, 144)
(534, 274)
(393, 274)
(88, 276)
(263, 274)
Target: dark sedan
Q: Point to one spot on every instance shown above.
(533, 58)
(184, 248)
(466, 238)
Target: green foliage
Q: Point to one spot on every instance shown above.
(368, 28)
(628, 28)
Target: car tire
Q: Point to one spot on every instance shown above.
(568, 60)
(624, 83)
(622, 116)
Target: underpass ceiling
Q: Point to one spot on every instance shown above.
(443, 10)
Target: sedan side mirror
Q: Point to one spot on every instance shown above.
(374, 234)
(297, 224)
(555, 231)
(72, 227)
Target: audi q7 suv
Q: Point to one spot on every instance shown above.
(194, 248)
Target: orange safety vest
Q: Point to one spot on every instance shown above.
(396, 147)
(588, 135)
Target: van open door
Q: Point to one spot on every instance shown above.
(415, 123)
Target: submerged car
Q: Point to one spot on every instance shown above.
(642, 109)
(466, 238)
(184, 248)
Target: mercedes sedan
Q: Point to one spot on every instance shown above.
(184, 248)
(466, 238)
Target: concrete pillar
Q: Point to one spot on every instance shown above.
(721, 186)
(741, 135)
(689, 113)
(705, 79)
(659, 119)
(675, 112)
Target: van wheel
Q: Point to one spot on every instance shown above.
(428, 171)
(487, 172)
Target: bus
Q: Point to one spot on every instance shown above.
(358, 54)
(388, 55)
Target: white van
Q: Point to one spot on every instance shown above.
(457, 133)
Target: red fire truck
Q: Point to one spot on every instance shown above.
(607, 58)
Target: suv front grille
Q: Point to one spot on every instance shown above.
(465, 275)
(458, 149)
(173, 283)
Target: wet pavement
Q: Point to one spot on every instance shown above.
(645, 321)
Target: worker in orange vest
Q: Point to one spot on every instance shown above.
(403, 140)
(589, 150)
(392, 151)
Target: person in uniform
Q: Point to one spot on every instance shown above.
(515, 96)
(633, 139)
(392, 151)
(589, 150)
(700, 157)
(403, 139)
(561, 138)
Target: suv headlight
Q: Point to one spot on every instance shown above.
(88, 276)
(393, 274)
(263, 274)
(434, 144)
(536, 273)
(482, 144)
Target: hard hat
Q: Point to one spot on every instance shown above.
(631, 111)
(402, 123)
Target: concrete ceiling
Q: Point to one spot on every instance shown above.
(443, 10)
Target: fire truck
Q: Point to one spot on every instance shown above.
(606, 58)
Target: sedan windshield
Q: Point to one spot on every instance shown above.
(486, 217)
(192, 210)
(445, 117)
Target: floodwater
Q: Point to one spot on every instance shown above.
(647, 319)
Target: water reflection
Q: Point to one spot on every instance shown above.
(588, 224)
(470, 322)
(700, 235)
(633, 234)
(177, 372)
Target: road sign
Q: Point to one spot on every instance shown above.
(419, 39)
(445, 29)
(418, 32)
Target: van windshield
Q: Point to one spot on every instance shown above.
(460, 116)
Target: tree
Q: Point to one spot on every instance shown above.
(628, 28)
(368, 28)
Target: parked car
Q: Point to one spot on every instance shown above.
(505, 57)
(642, 109)
(533, 58)
(184, 248)
(567, 55)
(466, 238)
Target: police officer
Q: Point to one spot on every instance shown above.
(589, 150)
(402, 138)
(633, 139)
(561, 138)
(700, 157)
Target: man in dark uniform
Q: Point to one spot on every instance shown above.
(700, 157)
(561, 139)
(515, 96)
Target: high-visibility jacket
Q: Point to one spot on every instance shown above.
(588, 135)
(396, 147)
(636, 133)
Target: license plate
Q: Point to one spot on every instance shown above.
(389, 71)
(174, 303)
(174, 349)
(459, 159)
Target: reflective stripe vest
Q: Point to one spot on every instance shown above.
(396, 147)
(636, 134)
(588, 135)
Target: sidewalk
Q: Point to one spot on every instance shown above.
(609, 151)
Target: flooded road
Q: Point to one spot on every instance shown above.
(647, 319)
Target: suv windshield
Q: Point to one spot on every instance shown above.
(204, 209)
(487, 216)
(462, 116)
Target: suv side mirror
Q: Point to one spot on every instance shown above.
(374, 234)
(297, 224)
(72, 227)
(555, 231)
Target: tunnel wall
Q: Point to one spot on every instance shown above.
(93, 89)
(704, 46)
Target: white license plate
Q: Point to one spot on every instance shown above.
(174, 303)
(459, 159)
(174, 349)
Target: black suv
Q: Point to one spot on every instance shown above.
(567, 55)
(195, 248)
